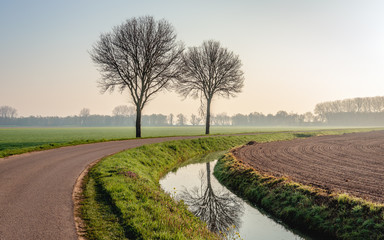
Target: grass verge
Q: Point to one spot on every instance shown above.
(123, 198)
(41, 147)
(309, 209)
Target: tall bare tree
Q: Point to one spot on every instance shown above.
(141, 56)
(210, 70)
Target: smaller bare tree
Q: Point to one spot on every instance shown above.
(210, 70)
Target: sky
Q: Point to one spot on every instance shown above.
(295, 53)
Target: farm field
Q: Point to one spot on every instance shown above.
(350, 163)
(19, 140)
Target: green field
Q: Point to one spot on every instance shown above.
(20, 140)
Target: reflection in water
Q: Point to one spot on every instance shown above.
(254, 224)
(220, 210)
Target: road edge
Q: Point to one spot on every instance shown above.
(77, 198)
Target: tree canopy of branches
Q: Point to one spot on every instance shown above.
(210, 70)
(141, 56)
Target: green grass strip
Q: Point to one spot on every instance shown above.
(309, 209)
(123, 198)
(41, 147)
(129, 183)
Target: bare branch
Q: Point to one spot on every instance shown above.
(210, 70)
(140, 55)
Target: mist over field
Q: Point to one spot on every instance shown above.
(343, 113)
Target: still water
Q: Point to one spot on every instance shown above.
(223, 211)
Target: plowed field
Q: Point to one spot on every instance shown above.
(351, 163)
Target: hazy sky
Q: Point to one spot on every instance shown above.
(294, 53)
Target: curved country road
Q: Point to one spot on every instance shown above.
(36, 188)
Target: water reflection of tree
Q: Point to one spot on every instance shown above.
(221, 210)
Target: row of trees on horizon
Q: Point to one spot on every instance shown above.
(367, 111)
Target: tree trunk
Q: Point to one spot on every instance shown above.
(208, 117)
(138, 122)
(208, 175)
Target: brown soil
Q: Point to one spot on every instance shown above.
(350, 163)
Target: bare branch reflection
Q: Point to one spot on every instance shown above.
(220, 210)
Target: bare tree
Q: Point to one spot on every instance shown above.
(181, 119)
(210, 70)
(84, 114)
(170, 119)
(123, 110)
(308, 117)
(140, 55)
(8, 112)
(222, 119)
(195, 120)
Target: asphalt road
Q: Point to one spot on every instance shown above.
(36, 188)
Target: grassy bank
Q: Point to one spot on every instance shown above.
(309, 209)
(122, 195)
(20, 140)
(123, 198)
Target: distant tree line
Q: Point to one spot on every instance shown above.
(349, 112)
(368, 111)
(121, 116)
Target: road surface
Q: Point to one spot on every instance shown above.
(36, 188)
